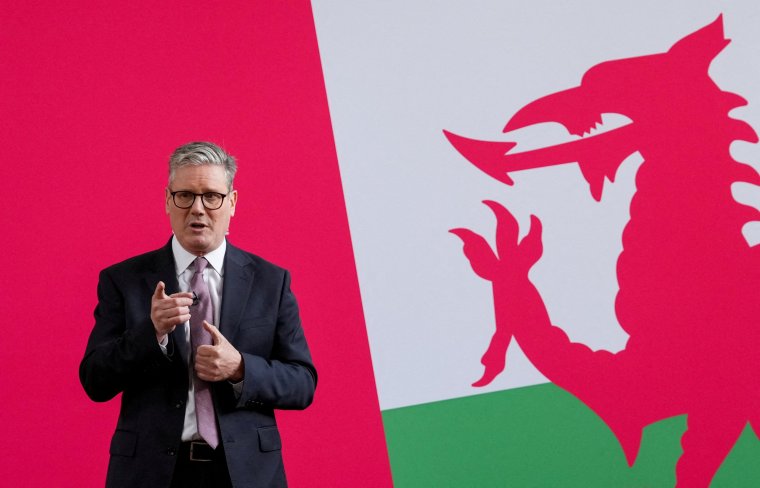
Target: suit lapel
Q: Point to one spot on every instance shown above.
(163, 270)
(238, 280)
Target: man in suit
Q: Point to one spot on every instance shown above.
(203, 341)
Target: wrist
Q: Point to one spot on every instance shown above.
(239, 373)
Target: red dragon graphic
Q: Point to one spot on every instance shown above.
(688, 279)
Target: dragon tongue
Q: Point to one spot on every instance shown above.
(485, 155)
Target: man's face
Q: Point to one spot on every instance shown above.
(198, 229)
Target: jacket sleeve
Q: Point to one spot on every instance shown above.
(287, 378)
(122, 348)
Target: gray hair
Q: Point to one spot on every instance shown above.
(201, 153)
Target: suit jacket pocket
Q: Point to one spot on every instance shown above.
(123, 443)
(269, 439)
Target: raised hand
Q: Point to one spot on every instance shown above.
(168, 311)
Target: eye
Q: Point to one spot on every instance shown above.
(212, 198)
(184, 197)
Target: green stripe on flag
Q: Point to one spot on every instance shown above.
(538, 436)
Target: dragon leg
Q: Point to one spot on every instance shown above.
(709, 438)
(592, 376)
(507, 268)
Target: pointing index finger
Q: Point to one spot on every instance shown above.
(160, 290)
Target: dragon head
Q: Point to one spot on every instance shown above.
(651, 91)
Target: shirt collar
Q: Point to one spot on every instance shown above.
(183, 258)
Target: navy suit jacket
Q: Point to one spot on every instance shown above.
(259, 317)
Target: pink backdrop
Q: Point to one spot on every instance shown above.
(94, 99)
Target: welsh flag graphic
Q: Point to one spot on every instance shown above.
(594, 324)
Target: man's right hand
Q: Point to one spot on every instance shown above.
(168, 311)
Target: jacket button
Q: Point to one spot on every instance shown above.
(171, 451)
(179, 404)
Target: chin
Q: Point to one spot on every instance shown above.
(196, 245)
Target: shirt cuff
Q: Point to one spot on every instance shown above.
(163, 344)
(237, 388)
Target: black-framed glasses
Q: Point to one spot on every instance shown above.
(185, 199)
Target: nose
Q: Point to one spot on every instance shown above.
(198, 208)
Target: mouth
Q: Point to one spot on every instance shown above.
(601, 141)
(197, 226)
(598, 155)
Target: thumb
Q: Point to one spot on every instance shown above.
(216, 336)
(160, 292)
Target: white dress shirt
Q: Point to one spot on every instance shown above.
(212, 275)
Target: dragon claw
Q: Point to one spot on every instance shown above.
(526, 251)
(510, 251)
(482, 259)
(531, 246)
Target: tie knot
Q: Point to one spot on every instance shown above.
(200, 264)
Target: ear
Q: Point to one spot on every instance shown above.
(233, 201)
(700, 47)
(168, 199)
